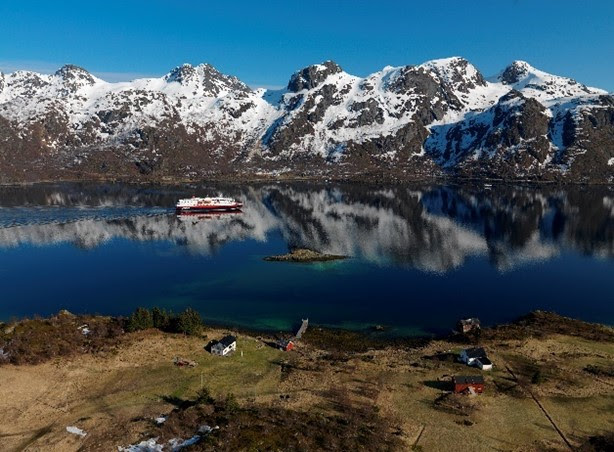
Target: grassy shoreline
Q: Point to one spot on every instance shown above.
(338, 390)
(108, 330)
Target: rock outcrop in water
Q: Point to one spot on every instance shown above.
(304, 255)
(440, 118)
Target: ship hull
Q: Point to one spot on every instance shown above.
(201, 209)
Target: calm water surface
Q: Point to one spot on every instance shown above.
(421, 256)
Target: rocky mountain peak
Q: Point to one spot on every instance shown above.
(206, 76)
(1, 81)
(456, 72)
(181, 74)
(515, 72)
(75, 75)
(312, 76)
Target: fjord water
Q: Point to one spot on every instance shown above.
(421, 257)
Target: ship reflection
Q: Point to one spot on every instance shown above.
(196, 217)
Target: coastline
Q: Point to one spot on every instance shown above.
(363, 179)
(534, 324)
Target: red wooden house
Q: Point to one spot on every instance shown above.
(472, 383)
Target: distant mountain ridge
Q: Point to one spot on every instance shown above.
(440, 118)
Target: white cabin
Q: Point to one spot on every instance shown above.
(483, 363)
(226, 345)
(470, 355)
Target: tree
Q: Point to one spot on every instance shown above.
(230, 404)
(161, 319)
(203, 397)
(189, 322)
(140, 319)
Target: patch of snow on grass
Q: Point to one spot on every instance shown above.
(150, 445)
(75, 431)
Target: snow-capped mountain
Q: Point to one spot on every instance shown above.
(438, 118)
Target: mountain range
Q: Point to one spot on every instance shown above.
(442, 118)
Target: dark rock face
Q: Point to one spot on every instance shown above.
(511, 138)
(412, 80)
(589, 152)
(311, 76)
(370, 112)
(519, 120)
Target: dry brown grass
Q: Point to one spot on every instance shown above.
(347, 399)
(37, 340)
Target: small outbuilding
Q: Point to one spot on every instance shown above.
(470, 355)
(468, 384)
(465, 326)
(226, 345)
(483, 363)
(286, 345)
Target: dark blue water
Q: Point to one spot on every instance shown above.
(421, 257)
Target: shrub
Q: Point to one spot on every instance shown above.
(161, 319)
(189, 322)
(141, 319)
(230, 404)
(203, 397)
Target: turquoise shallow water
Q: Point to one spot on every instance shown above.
(420, 257)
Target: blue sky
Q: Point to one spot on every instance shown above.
(264, 42)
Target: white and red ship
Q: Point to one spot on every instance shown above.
(217, 204)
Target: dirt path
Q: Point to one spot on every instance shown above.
(541, 407)
(419, 435)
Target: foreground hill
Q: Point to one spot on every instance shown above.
(550, 388)
(440, 118)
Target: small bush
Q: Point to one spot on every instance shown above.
(189, 322)
(161, 319)
(141, 319)
(230, 404)
(203, 397)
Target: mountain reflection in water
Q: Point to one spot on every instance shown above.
(431, 253)
(431, 228)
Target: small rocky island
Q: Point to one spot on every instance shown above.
(304, 255)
